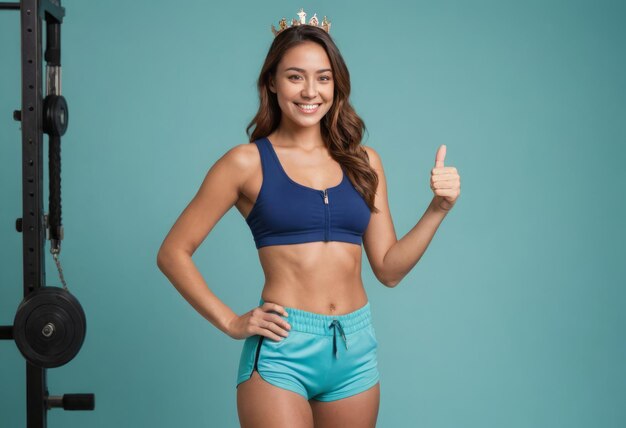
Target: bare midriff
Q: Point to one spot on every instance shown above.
(320, 277)
(323, 277)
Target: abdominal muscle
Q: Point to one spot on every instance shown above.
(320, 277)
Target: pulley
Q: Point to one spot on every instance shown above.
(55, 115)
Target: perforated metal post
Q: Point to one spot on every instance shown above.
(32, 224)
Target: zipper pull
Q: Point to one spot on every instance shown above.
(326, 196)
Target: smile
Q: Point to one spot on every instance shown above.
(307, 108)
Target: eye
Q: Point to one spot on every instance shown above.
(325, 78)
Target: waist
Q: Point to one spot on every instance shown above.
(322, 324)
(330, 296)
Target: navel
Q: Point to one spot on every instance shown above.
(332, 307)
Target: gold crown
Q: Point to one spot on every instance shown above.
(282, 24)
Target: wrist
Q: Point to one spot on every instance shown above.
(227, 325)
(435, 206)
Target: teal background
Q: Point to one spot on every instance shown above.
(512, 318)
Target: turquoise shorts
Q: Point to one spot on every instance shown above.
(324, 357)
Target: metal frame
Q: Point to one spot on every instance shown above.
(33, 222)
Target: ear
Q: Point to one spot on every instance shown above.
(271, 85)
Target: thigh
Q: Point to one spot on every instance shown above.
(357, 411)
(261, 404)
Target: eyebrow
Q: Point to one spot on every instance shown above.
(302, 70)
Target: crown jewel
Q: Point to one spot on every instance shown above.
(282, 24)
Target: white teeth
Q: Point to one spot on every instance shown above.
(308, 106)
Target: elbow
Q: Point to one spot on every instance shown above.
(163, 258)
(168, 255)
(388, 281)
(391, 283)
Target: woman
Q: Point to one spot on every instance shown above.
(311, 194)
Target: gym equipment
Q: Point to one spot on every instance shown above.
(50, 325)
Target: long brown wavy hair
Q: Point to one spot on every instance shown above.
(341, 128)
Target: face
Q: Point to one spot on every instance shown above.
(304, 84)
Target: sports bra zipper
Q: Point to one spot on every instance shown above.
(326, 215)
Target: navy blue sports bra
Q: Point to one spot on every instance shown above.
(287, 212)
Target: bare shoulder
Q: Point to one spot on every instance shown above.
(219, 191)
(241, 157)
(240, 162)
(374, 158)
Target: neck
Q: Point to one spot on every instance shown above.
(306, 138)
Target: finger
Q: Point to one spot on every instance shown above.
(444, 170)
(441, 155)
(274, 331)
(285, 326)
(270, 334)
(444, 186)
(445, 180)
(269, 320)
(267, 307)
(437, 177)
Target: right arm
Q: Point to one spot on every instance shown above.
(218, 193)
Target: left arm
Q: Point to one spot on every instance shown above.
(392, 259)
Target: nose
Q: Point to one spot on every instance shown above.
(310, 89)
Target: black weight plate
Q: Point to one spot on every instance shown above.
(49, 305)
(63, 333)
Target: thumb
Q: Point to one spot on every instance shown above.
(441, 155)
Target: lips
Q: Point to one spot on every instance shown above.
(308, 110)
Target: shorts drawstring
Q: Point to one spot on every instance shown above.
(334, 326)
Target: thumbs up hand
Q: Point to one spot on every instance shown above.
(445, 182)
